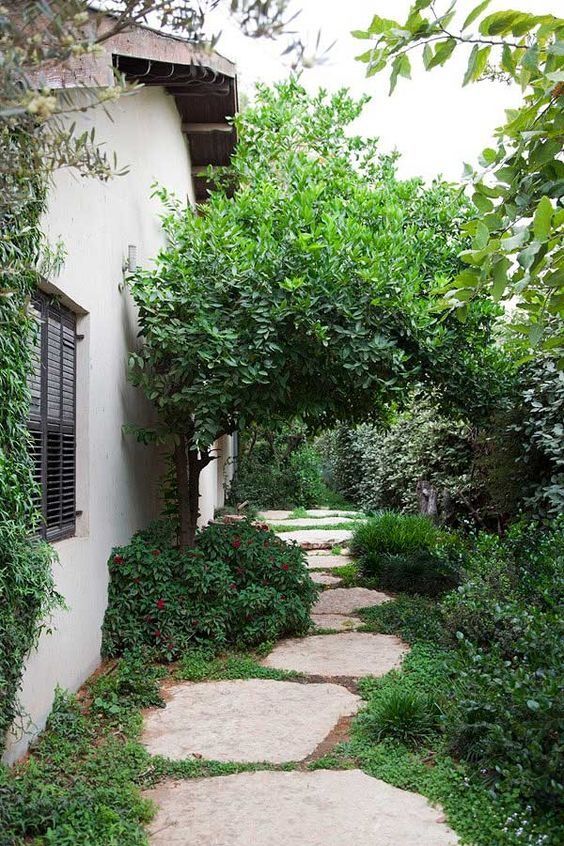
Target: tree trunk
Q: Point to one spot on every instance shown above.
(427, 495)
(185, 539)
(189, 463)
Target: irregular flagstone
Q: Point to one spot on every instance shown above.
(312, 514)
(351, 654)
(317, 538)
(322, 808)
(336, 621)
(324, 579)
(315, 561)
(346, 600)
(308, 522)
(246, 720)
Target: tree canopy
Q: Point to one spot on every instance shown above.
(516, 252)
(302, 287)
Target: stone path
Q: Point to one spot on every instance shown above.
(278, 723)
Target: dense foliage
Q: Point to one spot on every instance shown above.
(493, 673)
(240, 585)
(485, 472)
(26, 585)
(407, 553)
(516, 252)
(277, 469)
(301, 289)
(379, 466)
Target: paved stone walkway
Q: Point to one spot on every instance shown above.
(281, 722)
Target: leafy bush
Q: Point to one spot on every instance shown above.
(241, 585)
(277, 470)
(504, 577)
(507, 715)
(407, 553)
(506, 623)
(416, 619)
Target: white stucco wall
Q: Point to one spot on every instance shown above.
(117, 479)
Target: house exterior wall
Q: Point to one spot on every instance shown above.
(117, 478)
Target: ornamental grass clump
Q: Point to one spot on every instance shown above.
(241, 585)
(409, 553)
(402, 714)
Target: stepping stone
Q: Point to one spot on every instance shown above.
(336, 621)
(324, 579)
(269, 516)
(246, 720)
(322, 808)
(317, 538)
(308, 521)
(315, 561)
(346, 600)
(351, 654)
(332, 512)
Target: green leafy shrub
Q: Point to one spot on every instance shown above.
(505, 621)
(407, 553)
(507, 715)
(403, 714)
(279, 473)
(505, 577)
(241, 585)
(416, 619)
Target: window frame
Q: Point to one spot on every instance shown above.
(49, 433)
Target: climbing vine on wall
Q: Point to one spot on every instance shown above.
(27, 592)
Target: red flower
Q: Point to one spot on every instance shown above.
(285, 566)
(156, 552)
(118, 559)
(148, 618)
(236, 543)
(160, 603)
(282, 597)
(157, 633)
(233, 586)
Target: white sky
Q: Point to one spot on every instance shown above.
(431, 120)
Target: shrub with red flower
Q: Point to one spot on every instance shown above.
(237, 587)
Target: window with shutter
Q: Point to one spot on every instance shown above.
(52, 416)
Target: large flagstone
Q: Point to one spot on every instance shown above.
(352, 654)
(321, 808)
(347, 600)
(246, 720)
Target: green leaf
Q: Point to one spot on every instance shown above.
(476, 12)
(542, 219)
(443, 52)
(482, 236)
(401, 67)
(500, 280)
(476, 63)
(482, 203)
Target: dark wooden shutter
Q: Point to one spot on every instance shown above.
(53, 416)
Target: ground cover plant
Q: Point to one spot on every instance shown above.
(240, 585)
(409, 553)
